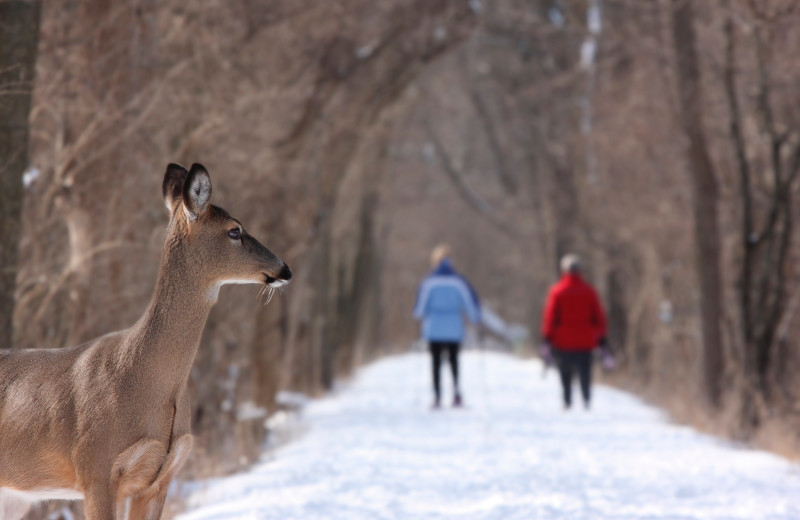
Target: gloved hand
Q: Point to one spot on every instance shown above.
(546, 353)
(606, 356)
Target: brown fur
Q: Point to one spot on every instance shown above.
(137, 467)
(110, 419)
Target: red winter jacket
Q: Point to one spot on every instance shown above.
(573, 317)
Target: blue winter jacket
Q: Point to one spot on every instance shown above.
(443, 298)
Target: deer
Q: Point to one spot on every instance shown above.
(109, 421)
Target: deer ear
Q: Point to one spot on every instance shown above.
(196, 192)
(172, 188)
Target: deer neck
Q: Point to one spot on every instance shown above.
(166, 338)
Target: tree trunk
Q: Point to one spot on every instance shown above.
(705, 191)
(19, 37)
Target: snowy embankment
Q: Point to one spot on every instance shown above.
(375, 451)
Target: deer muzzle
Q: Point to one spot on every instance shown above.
(283, 277)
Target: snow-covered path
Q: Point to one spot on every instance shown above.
(375, 451)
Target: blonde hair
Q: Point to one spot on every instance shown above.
(439, 253)
(570, 263)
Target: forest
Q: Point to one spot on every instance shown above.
(657, 139)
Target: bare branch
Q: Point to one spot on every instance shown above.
(506, 179)
(467, 194)
(748, 241)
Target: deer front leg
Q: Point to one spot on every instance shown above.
(136, 468)
(100, 504)
(148, 504)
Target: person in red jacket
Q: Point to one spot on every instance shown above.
(574, 324)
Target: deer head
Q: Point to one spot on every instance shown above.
(214, 244)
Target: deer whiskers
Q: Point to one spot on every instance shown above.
(268, 292)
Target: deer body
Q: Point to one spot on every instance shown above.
(110, 420)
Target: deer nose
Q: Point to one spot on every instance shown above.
(285, 273)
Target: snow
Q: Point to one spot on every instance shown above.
(594, 17)
(64, 513)
(476, 6)
(588, 52)
(249, 411)
(30, 176)
(375, 451)
(556, 16)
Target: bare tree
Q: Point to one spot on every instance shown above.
(19, 37)
(706, 196)
(765, 203)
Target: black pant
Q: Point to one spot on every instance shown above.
(452, 349)
(570, 362)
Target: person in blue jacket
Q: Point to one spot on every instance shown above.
(443, 299)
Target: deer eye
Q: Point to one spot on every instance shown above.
(235, 234)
